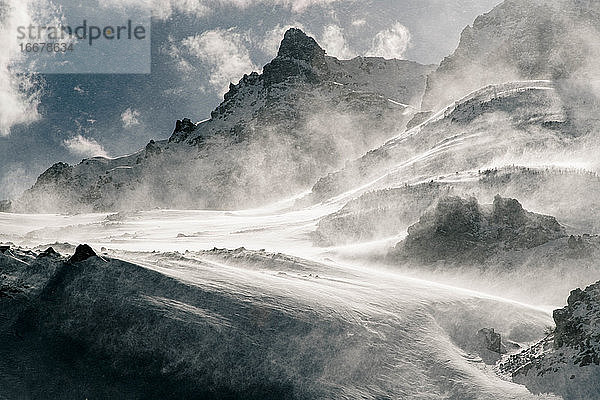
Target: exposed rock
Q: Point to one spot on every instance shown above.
(378, 214)
(56, 174)
(185, 125)
(82, 253)
(152, 148)
(490, 340)
(4, 248)
(577, 325)
(463, 231)
(49, 252)
(299, 57)
(567, 361)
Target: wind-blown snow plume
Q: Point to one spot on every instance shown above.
(19, 95)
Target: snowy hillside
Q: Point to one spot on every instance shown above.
(512, 123)
(323, 237)
(250, 325)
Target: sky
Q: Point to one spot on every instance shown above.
(198, 47)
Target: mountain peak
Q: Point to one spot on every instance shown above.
(299, 46)
(299, 56)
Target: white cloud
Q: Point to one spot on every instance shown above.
(335, 43)
(359, 22)
(19, 94)
(130, 117)
(225, 54)
(84, 147)
(391, 43)
(165, 8)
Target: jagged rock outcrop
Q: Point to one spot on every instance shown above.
(578, 325)
(274, 133)
(567, 194)
(460, 230)
(299, 57)
(567, 361)
(378, 214)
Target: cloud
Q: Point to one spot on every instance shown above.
(359, 22)
(165, 8)
(84, 147)
(391, 43)
(335, 43)
(130, 117)
(224, 53)
(19, 93)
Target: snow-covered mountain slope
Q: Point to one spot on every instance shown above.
(274, 133)
(566, 362)
(524, 39)
(249, 325)
(513, 123)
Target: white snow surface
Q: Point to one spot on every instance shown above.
(424, 323)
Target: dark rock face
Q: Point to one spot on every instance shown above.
(567, 361)
(55, 174)
(152, 148)
(82, 253)
(490, 340)
(184, 125)
(4, 248)
(299, 57)
(576, 325)
(463, 231)
(49, 252)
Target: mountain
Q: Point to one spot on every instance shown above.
(463, 231)
(525, 70)
(522, 40)
(566, 362)
(513, 122)
(274, 133)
